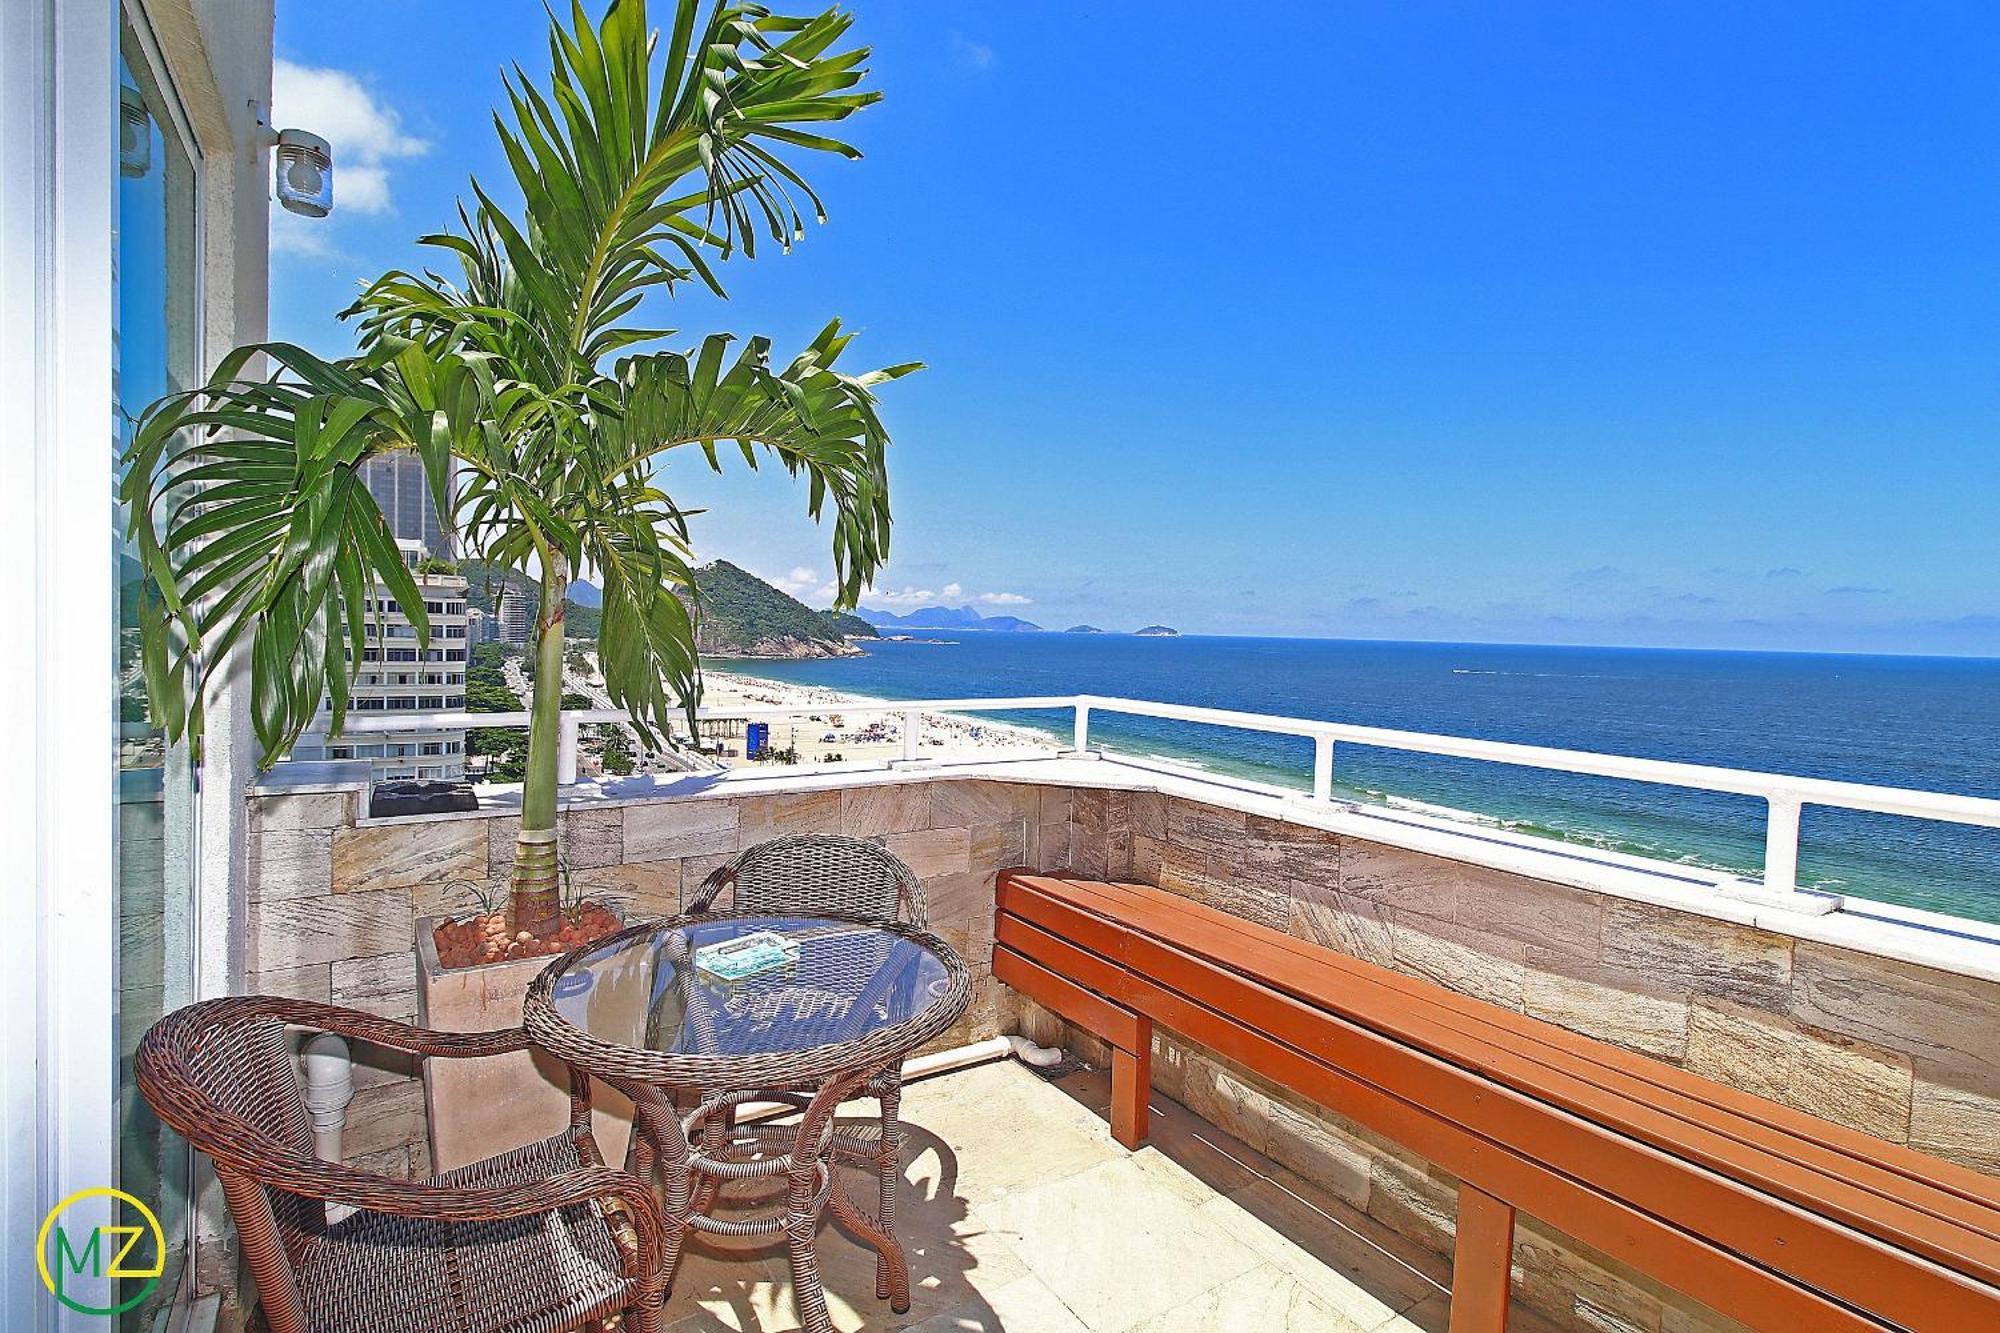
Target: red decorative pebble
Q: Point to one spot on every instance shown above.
(490, 938)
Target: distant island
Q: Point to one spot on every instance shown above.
(1083, 629)
(1158, 632)
(952, 618)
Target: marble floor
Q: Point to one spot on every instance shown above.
(1021, 1213)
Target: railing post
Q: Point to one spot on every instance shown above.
(1322, 768)
(566, 744)
(1781, 844)
(912, 728)
(1082, 740)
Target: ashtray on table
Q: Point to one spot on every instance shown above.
(746, 956)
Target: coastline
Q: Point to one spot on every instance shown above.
(826, 731)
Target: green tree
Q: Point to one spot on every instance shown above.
(640, 159)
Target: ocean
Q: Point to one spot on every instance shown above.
(1930, 723)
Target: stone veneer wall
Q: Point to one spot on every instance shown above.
(333, 904)
(1903, 1052)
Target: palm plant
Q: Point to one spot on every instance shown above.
(639, 161)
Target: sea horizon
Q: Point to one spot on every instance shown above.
(1928, 721)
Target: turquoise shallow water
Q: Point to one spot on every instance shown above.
(1911, 722)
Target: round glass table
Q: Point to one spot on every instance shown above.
(693, 1016)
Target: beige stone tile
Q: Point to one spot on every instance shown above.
(1319, 1151)
(954, 1254)
(312, 982)
(1695, 953)
(997, 1129)
(669, 830)
(1471, 962)
(695, 871)
(313, 810)
(1827, 1074)
(762, 818)
(1264, 1300)
(1350, 1262)
(592, 838)
(933, 852)
(1054, 803)
(1957, 1124)
(1025, 1305)
(635, 888)
(398, 856)
(1576, 1285)
(1615, 1004)
(1146, 812)
(1206, 828)
(995, 846)
(1346, 923)
(1549, 916)
(294, 932)
(1220, 881)
(1052, 847)
(1415, 1201)
(1090, 852)
(1149, 1251)
(1395, 878)
(291, 863)
(384, 984)
(1948, 1024)
(962, 804)
(1148, 857)
(962, 898)
(870, 812)
(382, 1118)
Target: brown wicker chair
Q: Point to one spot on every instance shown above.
(537, 1240)
(823, 872)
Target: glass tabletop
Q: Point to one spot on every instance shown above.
(748, 985)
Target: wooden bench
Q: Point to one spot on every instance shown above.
(1766, 1214)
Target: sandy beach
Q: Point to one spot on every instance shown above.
(830, 733)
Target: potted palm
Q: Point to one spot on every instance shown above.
(541, 403)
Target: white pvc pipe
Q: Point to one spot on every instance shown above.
(329, 1088)
(938, 1062)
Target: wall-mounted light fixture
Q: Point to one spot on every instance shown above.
(135, 132)
(305, 173)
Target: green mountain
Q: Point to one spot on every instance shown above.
(741, 615)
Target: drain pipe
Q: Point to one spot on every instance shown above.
(329, 1088)
(938, 1062)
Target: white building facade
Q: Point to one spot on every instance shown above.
(399, 675)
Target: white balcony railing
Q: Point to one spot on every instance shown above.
(1785, 796)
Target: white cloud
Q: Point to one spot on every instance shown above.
(806, 584)
(971, 54)
(949, 594)
(1003, 599)
(366, 134)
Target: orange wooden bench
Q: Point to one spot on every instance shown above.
(1764, 1213)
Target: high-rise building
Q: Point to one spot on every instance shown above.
(401, 488)
(516, 614)
(395, 675)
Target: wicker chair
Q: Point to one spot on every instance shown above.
(823, 872)
(537, 1240)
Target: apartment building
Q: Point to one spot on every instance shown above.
(398, 675)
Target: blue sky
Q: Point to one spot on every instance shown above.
(1523, 322)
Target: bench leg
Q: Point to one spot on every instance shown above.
(1131, 1084)
(1481, 1263)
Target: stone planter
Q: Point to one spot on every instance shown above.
(482, 1107)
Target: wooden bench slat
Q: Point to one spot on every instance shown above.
(1741, 1215)
(1689, 1261)
(1317, 975)
(1927, 1173)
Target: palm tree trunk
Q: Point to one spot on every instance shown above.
(536, 899)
